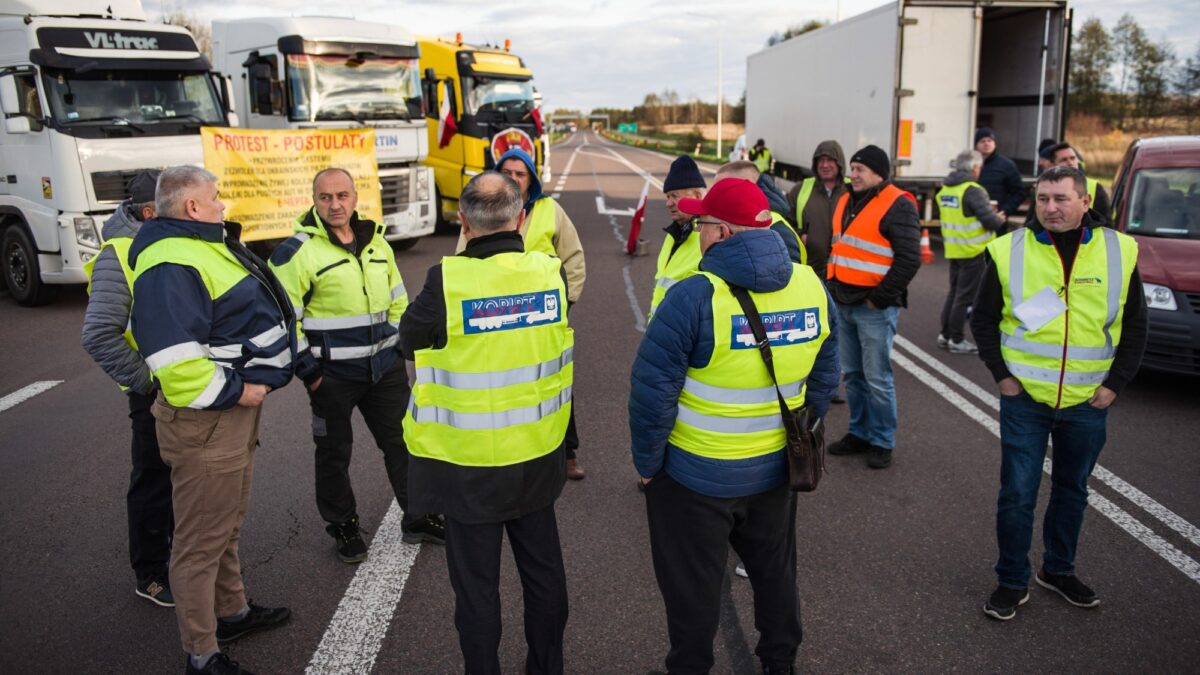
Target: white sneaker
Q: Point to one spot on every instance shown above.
(740, 570)
(943, 342)
(963, 347)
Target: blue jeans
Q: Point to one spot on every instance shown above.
(865, 342)
(1078, 434)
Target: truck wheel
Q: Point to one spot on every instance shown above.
(404, 244)
(22, 274)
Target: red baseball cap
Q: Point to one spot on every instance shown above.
(734, 200)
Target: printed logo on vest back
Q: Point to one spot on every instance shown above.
(791, 327)
(510, 312)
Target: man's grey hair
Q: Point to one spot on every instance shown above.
(967, 160)
(1062, 172)
(491, 201)
(173, 186)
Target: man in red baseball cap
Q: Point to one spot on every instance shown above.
(707, 435)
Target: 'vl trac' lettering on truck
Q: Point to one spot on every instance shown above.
(329, 73)
(481, 101)
(91, 94)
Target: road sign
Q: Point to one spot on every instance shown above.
(628, 128)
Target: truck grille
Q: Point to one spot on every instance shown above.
(1193, 300)
(112, 186)
(394, 191)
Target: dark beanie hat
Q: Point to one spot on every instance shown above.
(683, 174)
(874, 158)
(141, 186)
(1045, 146)
(984, 132)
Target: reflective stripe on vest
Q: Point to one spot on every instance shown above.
(963, 236)
(728, 409)
(862, 256)
(674, 267)
(499, 392)
(1062, 362)
(539, 229)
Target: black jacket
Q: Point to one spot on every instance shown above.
(1002, 180)
(471, 494)
(902, 228)
(989, 303)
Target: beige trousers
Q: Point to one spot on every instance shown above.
(211, 455)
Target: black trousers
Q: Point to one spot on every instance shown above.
(571, 440)
(690, 535)
(148, 502)
(965, 275)
(382, 405)
(473, 557)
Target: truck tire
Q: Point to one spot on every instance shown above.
(22, 274)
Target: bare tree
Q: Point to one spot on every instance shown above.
(798, 29)
(1187, 89)
(1128, 38)
(1091, 63)
(201, 30)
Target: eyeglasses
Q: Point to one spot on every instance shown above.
(709, 223)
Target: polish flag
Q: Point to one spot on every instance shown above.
(536, 114)
(446, 126)
(635, 225)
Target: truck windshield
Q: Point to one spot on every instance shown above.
(511, 98)
(1166, 203)
(151, 101)
(325, 88)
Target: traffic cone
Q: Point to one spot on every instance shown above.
(926, 251)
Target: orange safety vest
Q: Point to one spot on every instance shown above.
(863, 256)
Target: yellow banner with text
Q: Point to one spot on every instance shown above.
(265, 175)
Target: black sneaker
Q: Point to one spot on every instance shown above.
(848, 445)
(219, 664)
(259, 618)
(350, 545)
(1004, 602)
(156, 590)
(879, 458)
(1069, 586)
(429, 529)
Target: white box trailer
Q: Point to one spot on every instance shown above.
(915, 77)
(289, 72)
(90, 93)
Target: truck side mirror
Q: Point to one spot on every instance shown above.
(10, 102)
(17, 125)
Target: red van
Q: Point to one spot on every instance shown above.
(1156, 199)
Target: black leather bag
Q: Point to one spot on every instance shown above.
(805, 433)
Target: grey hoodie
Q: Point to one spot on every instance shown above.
(975, 201)
(108, 308)
(818, 212)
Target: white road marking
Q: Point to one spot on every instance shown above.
(1117, 515)
(25, 393)
(355, 634)
(1165, 515)
(657, 154)
(639, 316)
(605, 211)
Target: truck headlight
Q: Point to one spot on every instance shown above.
(1159, 297)
(85, 232)
(423, 184)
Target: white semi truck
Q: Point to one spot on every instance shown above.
(329, 73)
(90, 93)
(915, 77)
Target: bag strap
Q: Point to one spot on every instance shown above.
(761, 341)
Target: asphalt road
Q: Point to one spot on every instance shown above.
(894, 565)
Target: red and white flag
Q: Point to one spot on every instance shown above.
(635, 225)
(536, 114)
(446, 126)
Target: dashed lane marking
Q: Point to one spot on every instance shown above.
(355, 634)
(1116, 514)
(25, 393)
(1165, 515)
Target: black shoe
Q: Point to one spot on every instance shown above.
(879, 458)
(219, 664)
(259, 618)
(778, 670)
(430, 529)
(350, 545)
(1004, 602)
(849, 445)
(156, 590)
(1069, 586)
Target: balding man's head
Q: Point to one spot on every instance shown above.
(740, 169)
(491, 202)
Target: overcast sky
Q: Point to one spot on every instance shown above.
(592, 53)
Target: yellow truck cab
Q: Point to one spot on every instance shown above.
(489, 95)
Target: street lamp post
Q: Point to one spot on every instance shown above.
(720, 90)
